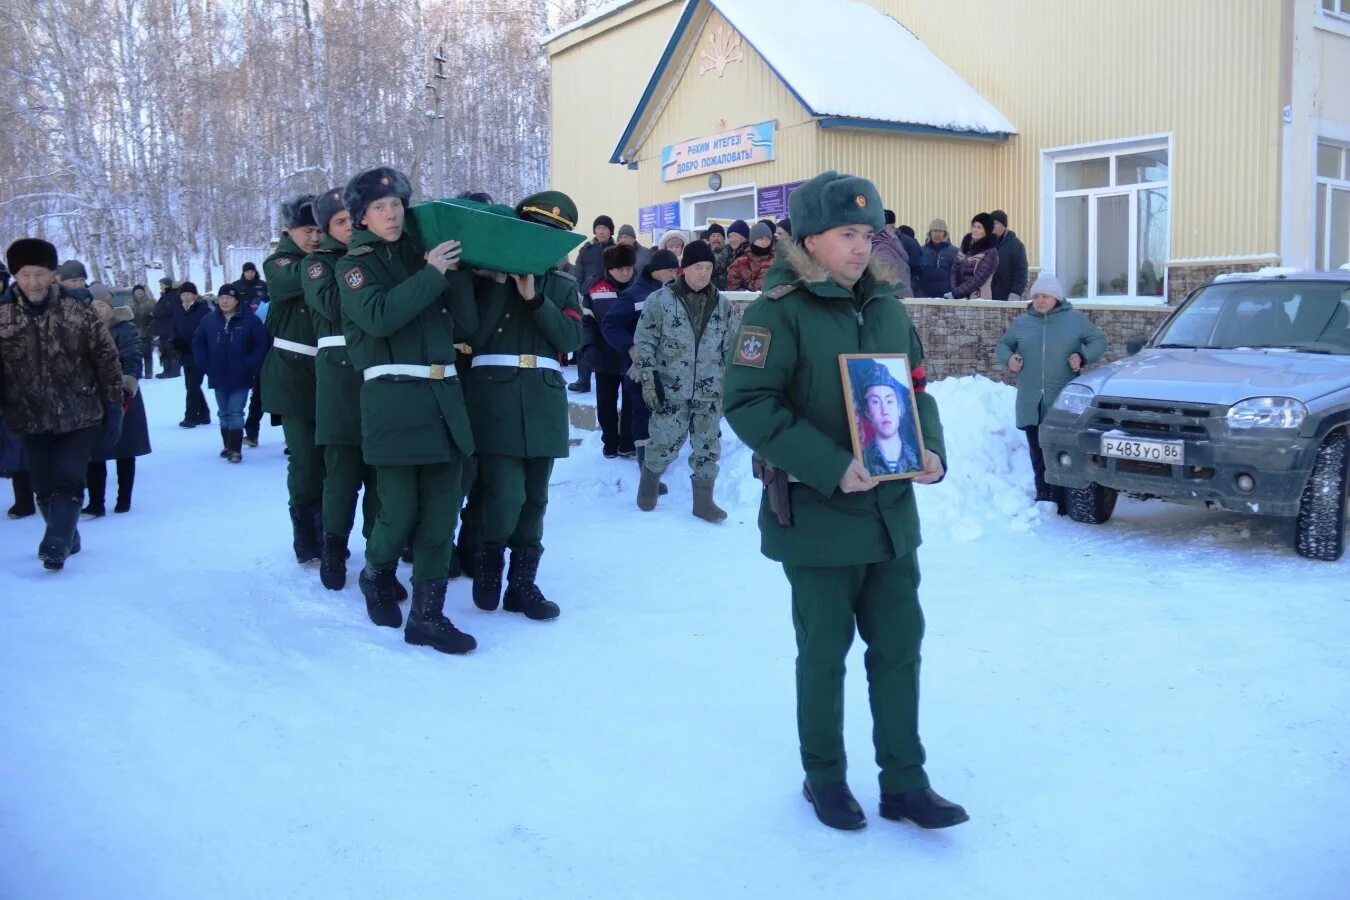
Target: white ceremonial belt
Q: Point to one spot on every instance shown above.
(336, 340)
(437, 372)
(292, 346)
(526, 361)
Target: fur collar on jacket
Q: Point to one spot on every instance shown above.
(812, 272)
(970, 246)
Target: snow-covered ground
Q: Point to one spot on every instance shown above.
(1154, 708)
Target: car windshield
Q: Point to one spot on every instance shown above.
(1308, 316)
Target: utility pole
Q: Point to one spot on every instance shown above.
(437, 121)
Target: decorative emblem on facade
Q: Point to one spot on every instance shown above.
(724, 48)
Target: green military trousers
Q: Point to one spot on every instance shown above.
(418, 508)
(883, 600)
(700, 421)
(304, 467)
(345, 473)
(471, 516)
(515, 497)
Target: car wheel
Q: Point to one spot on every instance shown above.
(1092, 505)
(1319, 530)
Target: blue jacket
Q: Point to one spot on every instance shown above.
(915, 254)
(230, 352)
(935, 260)
(619, 322)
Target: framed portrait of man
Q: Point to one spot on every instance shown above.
(882, 414)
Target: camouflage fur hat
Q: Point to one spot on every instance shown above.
(552, 208)
(327, 205)
(298, 212)
(830, 200)
(866, 373)
(371, 185)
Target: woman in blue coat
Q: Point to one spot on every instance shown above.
(135, 439)
(229, 347)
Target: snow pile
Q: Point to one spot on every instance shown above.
(843, 32)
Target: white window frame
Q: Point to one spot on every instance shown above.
(1337, 20)
(729, 191)
(1322, 242)
(1098, 150)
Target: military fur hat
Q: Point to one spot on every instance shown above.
(831, 200)
(72, 268)
(374, 184)
(30, 252)
(867, 373)
(620, 256)
(298, 212)
(327, 205)
(552, 208)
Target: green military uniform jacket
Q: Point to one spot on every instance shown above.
(287, 376)
(338, 383)
(784, 396)
(522, 412)
(398, 309)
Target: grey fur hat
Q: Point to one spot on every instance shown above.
(298, 212)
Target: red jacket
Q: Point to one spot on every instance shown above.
(748, 271)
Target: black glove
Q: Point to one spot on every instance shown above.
(112, 427)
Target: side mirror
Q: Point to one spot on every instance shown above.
(1134, 345)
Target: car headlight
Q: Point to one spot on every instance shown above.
(1267, 412)
(1074, 399)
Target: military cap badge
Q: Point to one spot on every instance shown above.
(861, 201)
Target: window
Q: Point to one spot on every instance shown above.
(1332, 201)
(1339, 8)
(730, 203)
(1109, 219)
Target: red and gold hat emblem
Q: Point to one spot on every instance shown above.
(557, 211)
(384, 180)
(861, 201)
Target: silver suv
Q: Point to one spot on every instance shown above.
(1240, 401)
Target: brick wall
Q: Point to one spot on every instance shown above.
(1181, 280)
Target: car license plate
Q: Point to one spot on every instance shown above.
(1166, 452)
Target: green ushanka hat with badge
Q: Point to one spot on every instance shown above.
(867, 373)
(328, 204)
(371, 185)
(831, 200)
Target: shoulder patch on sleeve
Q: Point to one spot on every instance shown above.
(752, 346)
(779, 292)
(316, 271)
(355, 278)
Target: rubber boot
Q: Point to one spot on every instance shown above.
(24, 505)
(427, 625)
(380, 590)
(488, 563)
(333, 562)
(641, 453)
(649, 489)
(303, 538)
(522, 594)
(704, 507)
(59, 541)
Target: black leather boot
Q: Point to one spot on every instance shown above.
(380, 588)
(522, 594)
(333, 562)
(923, 807)
(126, 480)
(427, 625)
(304, 539)
(24, 505)
(835, 805)
(488, 563)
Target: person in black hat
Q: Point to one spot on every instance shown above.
(337, 397)
(681, 342)
(288, 372)
(616, 425)
(975, 265)
(64, 404)
(72, 275)
(162, 325)
(590, 269)
(618, 327)
(1010, 278)
(251, 292)
(187, 316)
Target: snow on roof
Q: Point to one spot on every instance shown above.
(828, 52)
(594, 15)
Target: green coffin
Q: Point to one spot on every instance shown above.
(493, 237)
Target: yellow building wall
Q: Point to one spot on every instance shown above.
(1207, 72)
(597, 80)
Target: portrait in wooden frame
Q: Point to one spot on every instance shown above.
(883, 416)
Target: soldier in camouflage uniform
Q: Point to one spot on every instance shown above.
(681, 343)
(288, 372)
(518, 406)
(337, 427)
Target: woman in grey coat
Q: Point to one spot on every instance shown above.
(1046, 346)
